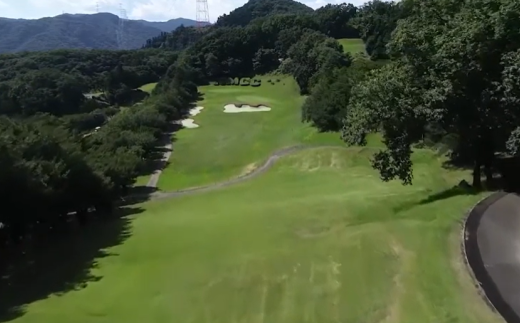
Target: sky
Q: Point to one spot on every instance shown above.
(152, 10)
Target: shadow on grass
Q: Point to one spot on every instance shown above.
(137, 194)
(59, 264)
(463, 188)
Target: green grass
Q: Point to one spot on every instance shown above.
(319, 238)
(226, 145)
(148, 87)
(352, 45)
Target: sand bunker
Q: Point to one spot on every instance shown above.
(232, 108)
(190, 123)
(195, 111)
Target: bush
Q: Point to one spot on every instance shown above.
(245, 81)
(236, 81)
(257, 81)
(225, 81)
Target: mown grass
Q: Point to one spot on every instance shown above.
(229, 144)
(352, 45)
(318, 238)
(148, 87)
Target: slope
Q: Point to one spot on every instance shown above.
(318, 238)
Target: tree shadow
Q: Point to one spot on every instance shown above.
(59, 263)
(137, 195)
(463, 188)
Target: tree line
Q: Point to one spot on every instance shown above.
(451, 78)
(51, 172)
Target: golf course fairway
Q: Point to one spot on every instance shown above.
(316, 238)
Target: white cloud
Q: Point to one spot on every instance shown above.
(154, 10)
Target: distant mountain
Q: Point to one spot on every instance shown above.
(171, 24)
(96, 31)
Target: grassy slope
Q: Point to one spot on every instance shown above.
(318, 238)
(313, 240)
(148, 87)
(227, 145)
(352, 45)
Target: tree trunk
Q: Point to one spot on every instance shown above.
(489, 173)
(477, 183)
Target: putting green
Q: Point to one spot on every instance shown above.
(230, 144)
(318, 238)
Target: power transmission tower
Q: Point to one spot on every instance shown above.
(120, 31)
(202, 13)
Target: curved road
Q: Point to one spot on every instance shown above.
(492, 248)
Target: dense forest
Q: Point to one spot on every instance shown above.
(434, 70)
(72, 154)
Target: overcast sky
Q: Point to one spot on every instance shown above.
(153, 10)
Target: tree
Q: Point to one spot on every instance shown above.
(313, 55)
(376, 20)
(327, 105)
(454, 69)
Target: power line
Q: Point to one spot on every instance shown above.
(202, 15)
(120, 31)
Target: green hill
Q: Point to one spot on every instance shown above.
(254, 9)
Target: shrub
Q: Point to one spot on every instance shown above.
(245, 81)
(257, 81)
(236, 81)
(225, 81)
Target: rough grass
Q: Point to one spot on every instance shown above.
(352, 45)
(148, 87)
(226, 143)
(318, 238)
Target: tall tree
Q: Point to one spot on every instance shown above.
(454, 69)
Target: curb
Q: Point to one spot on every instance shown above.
(473, 260)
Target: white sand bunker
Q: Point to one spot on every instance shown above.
(190, 123)
(231, 108)
(195, 111)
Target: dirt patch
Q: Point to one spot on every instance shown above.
(249, 169)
